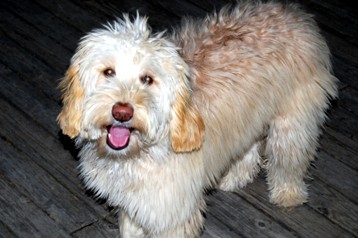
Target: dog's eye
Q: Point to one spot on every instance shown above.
(109, 72)
(147, 80)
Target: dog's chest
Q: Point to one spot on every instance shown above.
(144, 185)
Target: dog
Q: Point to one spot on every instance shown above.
(161, 117)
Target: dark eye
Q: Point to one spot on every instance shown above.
(109, 72)
(146, 80)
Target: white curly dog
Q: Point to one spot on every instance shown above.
(162, 117)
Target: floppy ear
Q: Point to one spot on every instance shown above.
(70, 117)
(186, 126)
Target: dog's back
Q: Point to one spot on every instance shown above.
(260, 69)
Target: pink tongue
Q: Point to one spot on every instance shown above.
(118, 137)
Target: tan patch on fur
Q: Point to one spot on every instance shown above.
(70, 117)
(187, 126)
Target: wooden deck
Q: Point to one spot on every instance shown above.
(40, 192)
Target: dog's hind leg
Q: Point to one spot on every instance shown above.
(242, 171)
(291, 146)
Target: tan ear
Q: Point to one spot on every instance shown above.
(70, 117)
(186, 126)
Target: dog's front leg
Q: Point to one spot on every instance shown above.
(129, 228)
(192, 228)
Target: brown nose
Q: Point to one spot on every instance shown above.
(122, 111)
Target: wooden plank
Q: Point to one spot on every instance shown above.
(22, 217)
(33, 102)
(38, 144)
(344, 122)
(60, 204)
(44, 21)
(243, 218)
(5, 230)
(104, 11)
(106, 228)
(346, 72)
(214, 228)
(337, 17)
(342, 49)
(339, 150)
(30, 68)
(74, 15)
(211, 5)
(39, 44)
(333, 205)
(344, 139)
(349, 101)
(337, 175)
(159, 17)
(186, 8)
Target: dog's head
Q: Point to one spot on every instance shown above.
(128, 89)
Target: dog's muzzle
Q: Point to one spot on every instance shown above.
(118, 135)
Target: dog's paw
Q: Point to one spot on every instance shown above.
(289, 196)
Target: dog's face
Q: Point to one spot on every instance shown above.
(129, 90)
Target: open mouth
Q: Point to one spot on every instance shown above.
(118, 137)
